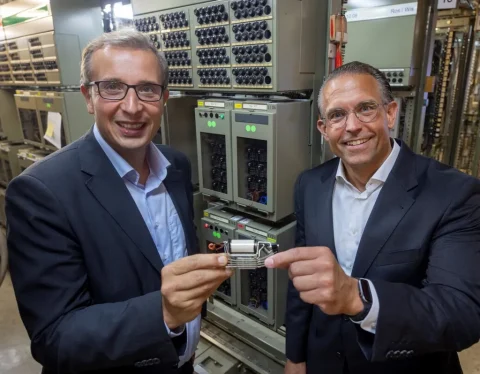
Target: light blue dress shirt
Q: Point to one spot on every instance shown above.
(351, 210)
(160, 216)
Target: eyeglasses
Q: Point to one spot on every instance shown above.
(113, 90)
(366, 112)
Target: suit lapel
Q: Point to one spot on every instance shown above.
(323, 210)
(110, 191)
(393, 202)
(175, 185)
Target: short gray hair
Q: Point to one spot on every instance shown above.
(357, 67)
(126, 38)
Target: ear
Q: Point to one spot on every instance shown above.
(322, 127)
(88, 98)
(166, 95)
(392, 111)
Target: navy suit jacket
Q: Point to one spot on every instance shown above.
(421, 250)
(85, 269)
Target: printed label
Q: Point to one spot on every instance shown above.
(255, 106)
(212, 216)
(214, 104)
(364, 14)
(261, 233)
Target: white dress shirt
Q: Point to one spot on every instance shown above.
(351, 210)
(160, 216)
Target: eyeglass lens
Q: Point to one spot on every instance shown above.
(365, 112)
(118, 90)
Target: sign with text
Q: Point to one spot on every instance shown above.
(447, 4)
(364, 14)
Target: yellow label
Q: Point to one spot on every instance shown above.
(238, 106)
(205, 214)
(49, 131)
(201, 103)
(271, 240)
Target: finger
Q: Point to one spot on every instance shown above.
(310, 297)
(199, 294)
(198, 278)
(194, 262)
(306, 283)
(306, 267)
(283, 259)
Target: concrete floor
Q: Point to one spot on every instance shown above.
(15, 355)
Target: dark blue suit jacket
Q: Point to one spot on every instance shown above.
(84, 267)
(421, 250)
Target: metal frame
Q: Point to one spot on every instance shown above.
(425, 34)
(3, 256)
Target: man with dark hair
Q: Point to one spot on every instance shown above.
(385, 277)
(103, 252)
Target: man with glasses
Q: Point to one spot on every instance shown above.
(103, 252)
(385, 277)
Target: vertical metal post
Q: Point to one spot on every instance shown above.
(321, 71)
(462, 82)
(324, 65)
(422, 62)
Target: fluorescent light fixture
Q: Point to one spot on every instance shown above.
(123, 11)
(18, 6)
(33, 13)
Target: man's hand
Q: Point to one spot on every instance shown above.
(293, 368)
(188, 283)
(319, 279)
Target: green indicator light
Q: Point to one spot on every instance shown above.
(218, 235)
(214, 124)
(222, 116)
(49, 106)
(210, 124)
(214, 234)
(253, 128)
(247, 128)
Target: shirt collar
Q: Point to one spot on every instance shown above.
(383, 171)
(157, 162)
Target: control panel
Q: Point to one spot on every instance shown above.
(393, 49)
(397, 77)
(9, 166)
(41, 42)
(269, 150)
(39, 111)
(250, 153)
(262, 292)
(214, 134)
(233, 45)
(219, 225)
(30, 60)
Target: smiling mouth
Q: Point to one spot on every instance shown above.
(357, 142)
(131, 126)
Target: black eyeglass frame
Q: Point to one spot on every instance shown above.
(348, 112)
(134, 86)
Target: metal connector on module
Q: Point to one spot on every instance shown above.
(248, 254)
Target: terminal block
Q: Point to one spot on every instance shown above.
(246, 254)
